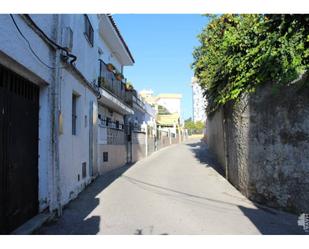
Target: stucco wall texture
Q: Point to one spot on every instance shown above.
(215, 137)
(138, 146)
(117, 157)
(267, 141)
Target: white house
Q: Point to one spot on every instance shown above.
(50, 101)
(27, 61)
(112, 104)
(199, 102)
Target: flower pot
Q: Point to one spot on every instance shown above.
(110, 67)
(119, 77)
(128, 87)
(101, 81)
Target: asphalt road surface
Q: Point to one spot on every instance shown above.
(177, 190)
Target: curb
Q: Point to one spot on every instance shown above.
(33, 224)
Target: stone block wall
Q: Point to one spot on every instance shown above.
(267, 146)
(215, 136)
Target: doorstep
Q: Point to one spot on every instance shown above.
(33, 224)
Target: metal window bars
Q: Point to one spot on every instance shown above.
(107, 123)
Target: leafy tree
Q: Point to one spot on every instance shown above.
(194, 128)
(199, 126)
(237, 53)
(162, 110)
(189, 124)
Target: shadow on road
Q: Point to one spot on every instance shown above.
(204, 155)
(176, 194)
(266, 221)
(74, 219)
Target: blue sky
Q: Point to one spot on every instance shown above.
(162, 47)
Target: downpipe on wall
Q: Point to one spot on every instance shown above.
(56, 88)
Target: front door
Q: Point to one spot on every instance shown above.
(19, 118)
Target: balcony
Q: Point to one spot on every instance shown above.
(108, 81)
(112, 91)
(131, 98)
(168, 119)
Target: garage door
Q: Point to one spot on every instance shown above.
(19, 107)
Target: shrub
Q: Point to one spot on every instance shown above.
(239, 52)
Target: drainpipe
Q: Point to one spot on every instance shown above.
(55, 92)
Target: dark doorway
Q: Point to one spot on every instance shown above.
(19, 120)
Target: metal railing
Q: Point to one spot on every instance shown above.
(133, 97)
(108, 81)
(106, 123)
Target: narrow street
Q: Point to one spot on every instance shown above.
(177, 190)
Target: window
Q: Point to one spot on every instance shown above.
(88, 30)
(108, 121)
(105, 156)
(74, 114)
(84, 170)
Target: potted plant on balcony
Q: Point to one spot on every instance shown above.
(119, 76)
(128, 86)
(101, 81)
(110, 67)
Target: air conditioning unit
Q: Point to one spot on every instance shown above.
(67, 38)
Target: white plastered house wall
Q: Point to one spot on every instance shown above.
(112, 50)
(15, 54)
(74, 149)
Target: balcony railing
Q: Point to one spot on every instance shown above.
(108, 81)
(132, 97)
(107, 123)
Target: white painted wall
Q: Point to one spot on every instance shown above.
(74, 149)
(88, 56)
(15, 54)
(108, 56)
(13, 45)
(199, 102)
(171, 104)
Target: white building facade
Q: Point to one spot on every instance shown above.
(199, 102)
(172, 102)
(51, 102)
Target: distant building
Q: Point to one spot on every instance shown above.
(148, 96)
(168, 107)
(199, 102)
(171, 101)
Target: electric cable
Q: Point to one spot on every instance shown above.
(50, 40)
(30, 48)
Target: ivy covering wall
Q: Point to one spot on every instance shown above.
(237, 53)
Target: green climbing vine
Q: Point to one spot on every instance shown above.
(239, 52)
